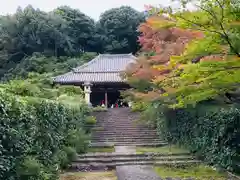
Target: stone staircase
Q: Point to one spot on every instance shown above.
(111, 160)
(118, 127)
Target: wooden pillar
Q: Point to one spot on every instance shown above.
(106, 99)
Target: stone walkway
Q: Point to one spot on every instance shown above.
(134, 172)
(119, 129)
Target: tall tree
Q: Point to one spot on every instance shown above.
(29, 31)
(63, 32)
(118, 27)
(81, 28)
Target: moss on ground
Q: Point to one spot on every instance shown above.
(198, 172)
(98, 128)
(169, 149)
(108, 175)
(104, 149)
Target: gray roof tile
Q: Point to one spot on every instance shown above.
(103, 68)
(107, 63)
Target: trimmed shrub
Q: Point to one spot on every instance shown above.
(90, 123)
(30, 169)
(34, 132)
(211, 132)
(99, 109)
(139, 106)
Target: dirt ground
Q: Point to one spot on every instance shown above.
(110, 175)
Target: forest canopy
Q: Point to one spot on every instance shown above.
(30, 38)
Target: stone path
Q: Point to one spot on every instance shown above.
(125, 149)
(117, 127)
(134, 172)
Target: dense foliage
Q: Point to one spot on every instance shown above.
(189, 60)
(31, 38)
(119, 26)
(210, 131)
(39, 136)
(43, 126)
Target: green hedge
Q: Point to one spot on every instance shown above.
(211, 132)
(38, 137)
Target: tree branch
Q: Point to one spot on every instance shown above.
(223, 30)
(201, 26)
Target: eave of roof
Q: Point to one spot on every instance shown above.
(103, 68)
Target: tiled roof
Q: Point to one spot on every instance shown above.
(103, 68)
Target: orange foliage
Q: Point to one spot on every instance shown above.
(161, 40)
(148, 96)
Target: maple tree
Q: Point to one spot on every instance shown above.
(159, 40)
(208, 69)
(192, 56)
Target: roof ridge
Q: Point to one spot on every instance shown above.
(129, 54)
(84, 67)
(76, 72)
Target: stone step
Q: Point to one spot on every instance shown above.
(126, 134)
(126, 141)
(122, 128)
(112, 132)
(129, 141)
(117, 154)
(82, 166)
(118, 139)
(108, 144)
(124, 137)
(133, 159)
(122, 124)
(115, 126)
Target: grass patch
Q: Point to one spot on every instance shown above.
(169, 149)
(103, 149)
(108, 175)
(99, 109)
(98, 128)
(198, 172)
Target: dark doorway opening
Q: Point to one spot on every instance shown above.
(98, 95)
(113, 98)
(96, 98)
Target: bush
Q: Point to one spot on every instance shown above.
(139, 106)
(71, 90)
(33, 131)
(74, 137)
(90, 120)
(30, 169)
(62, 159)
(209, 131)
(99, 109)
(71, 153)
(89, 123)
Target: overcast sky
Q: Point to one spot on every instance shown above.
(92, 8)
